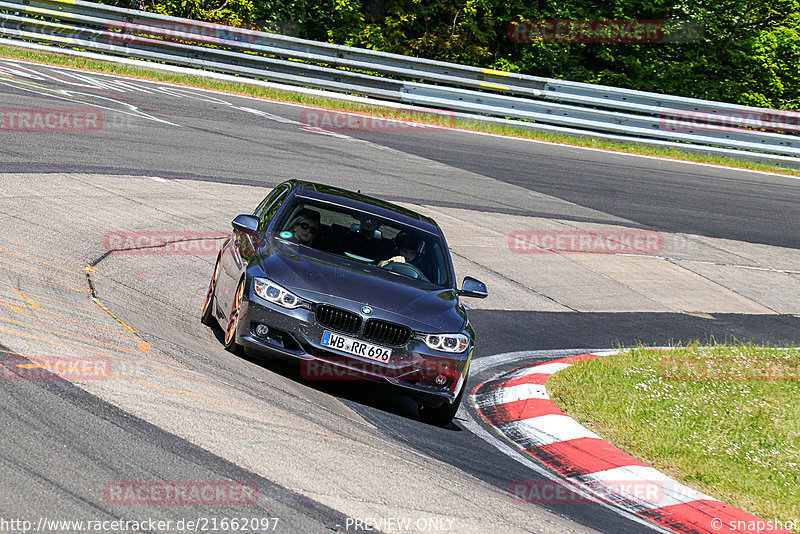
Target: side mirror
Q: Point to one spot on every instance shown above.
(473, 288)
(245, 223)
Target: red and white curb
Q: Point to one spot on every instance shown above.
(518, 406)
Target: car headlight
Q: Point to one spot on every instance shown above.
(272, 292)
(446, 342)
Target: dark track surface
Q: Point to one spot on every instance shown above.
(659, 194)
(62, 445)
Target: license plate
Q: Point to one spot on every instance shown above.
(356, 346)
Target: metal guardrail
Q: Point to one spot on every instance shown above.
(535, 102)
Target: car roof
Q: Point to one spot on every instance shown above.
(358, 201)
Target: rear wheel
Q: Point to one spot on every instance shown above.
(233, 321)
(208, 309)
(443, 414)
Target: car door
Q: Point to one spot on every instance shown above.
(241, 246)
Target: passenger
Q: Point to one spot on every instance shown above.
(304, 226)
(408, 250)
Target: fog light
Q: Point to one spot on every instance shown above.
(441, 380)
(262, 330)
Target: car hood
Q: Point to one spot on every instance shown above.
(320, 277)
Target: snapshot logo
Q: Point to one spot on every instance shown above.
(55, 368)
(586, 241)
(755, 525)
(167, 243)
(337, 121)
(50, 120)
(727, 369)
(602, 31)
(712, 121)
(180, 493)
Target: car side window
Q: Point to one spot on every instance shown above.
(269, 207)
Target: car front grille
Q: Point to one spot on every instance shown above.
(386, 333)
(338, 319)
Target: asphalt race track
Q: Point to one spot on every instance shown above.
(325, 456)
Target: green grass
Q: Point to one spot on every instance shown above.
(724, 420)
(244, 88)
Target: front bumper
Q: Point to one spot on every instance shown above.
(414, 367)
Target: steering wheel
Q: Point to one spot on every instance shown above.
(405, 269)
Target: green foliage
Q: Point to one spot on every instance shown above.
(748, 52)
(233, 12)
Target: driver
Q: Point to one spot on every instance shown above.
(408, 250)
(304, 226)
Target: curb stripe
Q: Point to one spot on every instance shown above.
(528, 378)
(697, 517)
(500, 396)
(582, 456)
(544, 430)
(651, 488)
(518, 406)
(520, 392)
(550, 367)
(500, 414)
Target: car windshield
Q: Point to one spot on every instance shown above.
(364, 237)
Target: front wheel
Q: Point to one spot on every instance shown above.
(443, 414)
(233, 321)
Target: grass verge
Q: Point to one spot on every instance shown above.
(54, 58)
(724, 419)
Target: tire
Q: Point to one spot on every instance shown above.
(207, 318)
(443, 414)
(233, 321)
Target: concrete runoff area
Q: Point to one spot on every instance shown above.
(690, 274)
